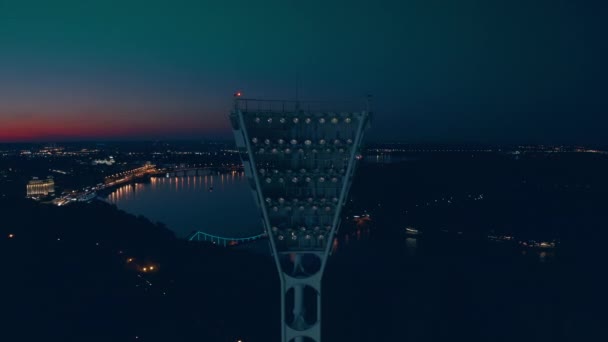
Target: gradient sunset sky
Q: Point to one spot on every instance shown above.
(439, 71)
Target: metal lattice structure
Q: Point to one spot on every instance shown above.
(300, 164)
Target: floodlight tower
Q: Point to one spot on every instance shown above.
(300, 164)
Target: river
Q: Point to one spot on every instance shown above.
(215, 203)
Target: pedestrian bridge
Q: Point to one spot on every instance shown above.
(222, 240)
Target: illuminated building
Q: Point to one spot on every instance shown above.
(40, 187)
(300, 164)
(109, 161)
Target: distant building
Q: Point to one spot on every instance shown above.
(40, 187)
(109, 161)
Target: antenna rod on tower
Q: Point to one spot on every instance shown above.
(297, 90)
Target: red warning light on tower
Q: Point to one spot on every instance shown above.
(238, 94)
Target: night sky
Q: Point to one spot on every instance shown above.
(439, 71)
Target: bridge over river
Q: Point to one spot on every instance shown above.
(222, 240)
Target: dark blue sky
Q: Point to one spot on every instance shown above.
(440, 71)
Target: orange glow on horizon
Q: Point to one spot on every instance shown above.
(77, 128)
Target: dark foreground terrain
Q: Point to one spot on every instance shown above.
(66, 276)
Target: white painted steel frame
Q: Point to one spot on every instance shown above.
(289, 334)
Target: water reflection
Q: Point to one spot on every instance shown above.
(359, 239)
(387, 158)
(411, 244)
(540, 255)
(361, 234)
(188, 203)
(175, 183)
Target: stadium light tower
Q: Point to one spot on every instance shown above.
(300, 164)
